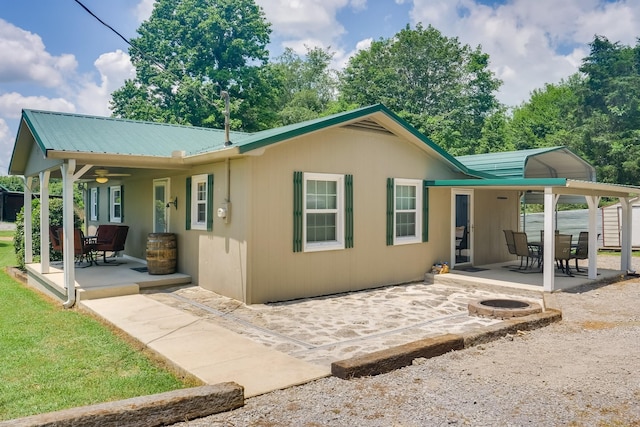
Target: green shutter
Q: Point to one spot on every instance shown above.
(97, 203)
(297, 211)
(188, 205)
(122, 203)
(390, 205)
(348, 211)
(210, 202)
(425, 212)
(108, 204)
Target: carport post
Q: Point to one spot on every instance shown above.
(592, 202)
(548, 272)
(625, 243)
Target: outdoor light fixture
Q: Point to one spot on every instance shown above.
(174, 203)
(102, 179)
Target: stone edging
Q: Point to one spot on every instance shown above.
(384, 361)
(154, 410)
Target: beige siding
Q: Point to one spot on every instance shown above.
(495, 211)
(278, 273)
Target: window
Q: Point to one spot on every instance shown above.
(93, 204)
(406, 211)
(115, 203)
(200, 207)
(323, 212)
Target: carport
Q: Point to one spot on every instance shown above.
(549, 176)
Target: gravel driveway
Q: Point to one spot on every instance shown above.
(583, 371)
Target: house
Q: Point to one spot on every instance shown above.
(351, 201)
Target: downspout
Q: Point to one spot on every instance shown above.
(227, 142)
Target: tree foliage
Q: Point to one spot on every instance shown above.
(190, 50)
(307, 85)
(440, 86)
(595, 113)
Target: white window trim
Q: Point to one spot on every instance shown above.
(417, 238)
(329, 245)
(112, 203)
(195, 180)
(93, 206)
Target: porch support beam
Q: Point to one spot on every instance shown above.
(625, 234)
(28, 221)
(593, 202)
(68, 250)
(548, 262)
(45, 255)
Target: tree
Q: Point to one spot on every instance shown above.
(190, 50)
(549, 118)
(611, 114)
(443, 88)
(308, 86)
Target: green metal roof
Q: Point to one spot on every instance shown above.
(549, 162)
(81, 133)
(64, 132)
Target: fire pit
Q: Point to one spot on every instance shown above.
(503, 308)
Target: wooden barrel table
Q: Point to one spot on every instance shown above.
(162, 251)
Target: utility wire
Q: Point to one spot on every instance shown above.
(146, 56)
(162, 67)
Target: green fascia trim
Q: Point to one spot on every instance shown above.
(27, 118)
(272, 136)
(519, 182)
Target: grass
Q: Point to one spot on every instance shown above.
(54, 358)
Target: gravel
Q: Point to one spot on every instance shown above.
(583, 371)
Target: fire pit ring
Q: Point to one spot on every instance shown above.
(503, 308)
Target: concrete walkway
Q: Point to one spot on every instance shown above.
(265, 347)
(210, 352)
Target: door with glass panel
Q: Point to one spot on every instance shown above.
(160, 205)
(462, 226)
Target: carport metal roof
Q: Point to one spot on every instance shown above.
(551, 162)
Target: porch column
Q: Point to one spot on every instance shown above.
(549, 243)
(625, 234)
(68, 249)
(28, 221)
(44, 222)
(592, 202)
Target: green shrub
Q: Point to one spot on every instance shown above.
(55, 219)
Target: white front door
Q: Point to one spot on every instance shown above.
(462, 226)
(160, 209)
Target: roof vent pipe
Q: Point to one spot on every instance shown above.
(224, 94)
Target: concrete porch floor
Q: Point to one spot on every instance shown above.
(115, 278)
(507, 275)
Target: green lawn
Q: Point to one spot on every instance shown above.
(52, 358)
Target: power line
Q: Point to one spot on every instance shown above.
(161, 66)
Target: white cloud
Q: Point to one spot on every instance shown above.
(531, 43)
(25, 59)
(114, 68)
(144, 9)
(297, 21)
(12, 104)
(6, 146)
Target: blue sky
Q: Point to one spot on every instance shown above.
(57, 57)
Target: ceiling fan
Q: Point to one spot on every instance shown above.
(102, 175)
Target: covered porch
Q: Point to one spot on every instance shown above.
(125, 276)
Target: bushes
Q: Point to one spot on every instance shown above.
(55, 218)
